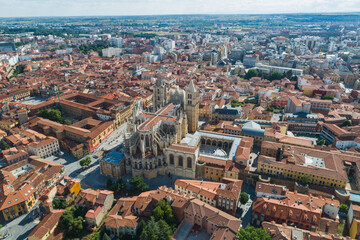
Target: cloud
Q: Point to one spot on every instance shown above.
(16, 8)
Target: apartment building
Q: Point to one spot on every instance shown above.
(325, 168)
(295, 209)
(23, 182)
(44, 148)
(320, 106)
(7, 124)
(97, 202)
(332, 133)
(47, 228)
(284, 232)
(13, 155)
(80, 138)
(224, 196)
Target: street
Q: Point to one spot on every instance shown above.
(21, 227)
(72, 166)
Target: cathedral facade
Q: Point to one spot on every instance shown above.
(151, 133)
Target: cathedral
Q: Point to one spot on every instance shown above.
(151, 133)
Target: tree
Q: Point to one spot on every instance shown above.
(138, 184)
(67, 122)
(344, 208)
(244, 198)
(251, 73)
(18, 70)
(4, 145)
(252, 233)
(106, 237)
(235, 103)
(327, 97)
(158, 213)
(346, 123)
(288, 74)
(275, 75)
(320, 142)
(53, 115)
(270, 109)
(305, 178)
(165, 230)
(140, 228)
(60, 204)
(116, 186)
(85, 162)
(72, 223)
(148, 234)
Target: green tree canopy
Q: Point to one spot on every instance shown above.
(138, 184)
(106, 237)
(251, 73)
(72, 222)
(327, 97)
(148, 234)
(320, 142)
(275, 75)
(117, 185)
(85, 162)
(344, 207)
(244, 198)
(288, 74)
(305, 178)
(4, 145)
(346, 123)
(60, 204)
(252, 233)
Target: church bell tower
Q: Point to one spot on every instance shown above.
(192, 107)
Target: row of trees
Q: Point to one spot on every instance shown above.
(137, 183)
(54, 115)
(275, 75)
(86, 48)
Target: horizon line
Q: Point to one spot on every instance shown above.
(188, 14)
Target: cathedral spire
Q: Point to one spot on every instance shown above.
(159, 80)
(191, 88)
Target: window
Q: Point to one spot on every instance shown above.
(189, 162)
(180, 163)
(171, 159)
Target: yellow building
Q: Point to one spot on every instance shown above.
(205, 111)
(123, 115)
(7, 124)
(288, 169)
(215, 173)
(355, 229)
(270, 148)
(18, 203)
(308, 90)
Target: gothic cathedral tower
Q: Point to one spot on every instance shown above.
(159, 94)
(192, 107)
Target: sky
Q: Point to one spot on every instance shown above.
(28, 8)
